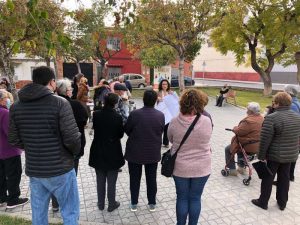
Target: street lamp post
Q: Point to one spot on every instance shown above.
(203, 65)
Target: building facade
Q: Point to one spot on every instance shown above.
(211, 64)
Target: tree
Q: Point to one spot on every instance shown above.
(14, 30)
(263, 29)
(177, 24)
(90, 39)
(297, 59)
(23, 24)
(51, 38)
(157, 56)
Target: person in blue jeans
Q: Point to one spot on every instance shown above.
(189, 191)
(193, 162)
(43, 124)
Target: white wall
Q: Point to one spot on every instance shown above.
(216, 62)
(23, 70)
(24, 66)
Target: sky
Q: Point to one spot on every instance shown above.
(75, 4)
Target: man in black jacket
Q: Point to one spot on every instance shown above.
(43, 125)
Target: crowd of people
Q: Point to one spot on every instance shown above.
(48, 122)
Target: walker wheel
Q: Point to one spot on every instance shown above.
(246, 182)
(225, 173)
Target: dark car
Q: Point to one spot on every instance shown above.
(188, 81)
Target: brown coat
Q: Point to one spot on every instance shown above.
(247, 131)
(82, 94)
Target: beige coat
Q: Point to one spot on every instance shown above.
(248, 133)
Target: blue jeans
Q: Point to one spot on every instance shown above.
(189, 191)
(64, 188)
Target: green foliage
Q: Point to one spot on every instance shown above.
(50, 38)
(87, 31)
(262, 29)
(179, 25)
(249, 21)
(157, 56)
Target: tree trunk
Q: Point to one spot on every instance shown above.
(181, 74)
(102, 66)
(78, 67)
(55, 67)
(151, 76)
(297, 59)
(48, 60)
(7, 70)
(267, 83)
(265, 76)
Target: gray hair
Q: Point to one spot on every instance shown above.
(254, 107)
(3, 94)
(62, 86)
(121, 77)
(291, 89)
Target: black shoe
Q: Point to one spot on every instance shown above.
(18, 202)
(2, 203)
(292, 179)
(281, 207)
(257, 203)
(101, 207)
(113, 206)
(274, 182)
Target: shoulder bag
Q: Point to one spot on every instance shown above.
(168, 160)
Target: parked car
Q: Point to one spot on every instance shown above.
(136, 80)
(188, 81)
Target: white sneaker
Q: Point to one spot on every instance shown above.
(133, 208)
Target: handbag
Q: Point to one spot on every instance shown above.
(262, 169)
(168, 160)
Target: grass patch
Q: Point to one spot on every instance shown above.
(9, 220)
(243, 96)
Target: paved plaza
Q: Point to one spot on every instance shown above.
(226, 200)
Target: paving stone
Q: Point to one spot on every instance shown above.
(225, 200)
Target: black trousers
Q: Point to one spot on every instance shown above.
(111, 178)
(165, 135)
(283, 183)
(10, 178)
(220, 100)
(292, 170)
(135, 174)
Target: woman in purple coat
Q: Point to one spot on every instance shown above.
(10, 161)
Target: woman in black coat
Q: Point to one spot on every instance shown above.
(64, 90)
(106, 151)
